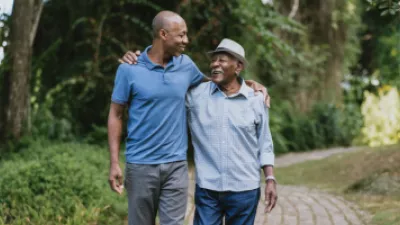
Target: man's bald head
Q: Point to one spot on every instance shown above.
(164, 20)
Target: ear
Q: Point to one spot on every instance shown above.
(163, 34)
(239, 67)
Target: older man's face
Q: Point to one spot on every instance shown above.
(224, 68)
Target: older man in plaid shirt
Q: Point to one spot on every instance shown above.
(232, 141)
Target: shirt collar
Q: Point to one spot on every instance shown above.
(244, 90)
(152, 65)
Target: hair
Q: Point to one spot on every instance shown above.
(161, 21)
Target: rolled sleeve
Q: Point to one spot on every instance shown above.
(197, 76)
(121, 91)
(267, 156)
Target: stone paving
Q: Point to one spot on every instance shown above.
(300, 205)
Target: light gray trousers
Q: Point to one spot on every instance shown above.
(152, 188)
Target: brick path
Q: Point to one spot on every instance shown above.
(302, 206)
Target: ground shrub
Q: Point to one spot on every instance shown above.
(60, 183)
(380, 183)
(324, 126)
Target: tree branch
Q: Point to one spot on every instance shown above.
(295, 7)
(37, 11)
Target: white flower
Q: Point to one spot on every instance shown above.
(375, 82)
(269, 2)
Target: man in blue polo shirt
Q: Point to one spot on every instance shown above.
(156, 176)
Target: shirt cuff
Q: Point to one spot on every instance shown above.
(267, 159)
(115, 100)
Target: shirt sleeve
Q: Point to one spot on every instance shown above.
(197, 76)
(267, 156)
(121, 91)
(187, 100)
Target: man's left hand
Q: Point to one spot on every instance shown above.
(271, 196)
(259, 87)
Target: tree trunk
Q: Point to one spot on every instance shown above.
(317, 15)
(25, 17)
(336, 38)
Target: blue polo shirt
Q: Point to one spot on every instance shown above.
(157, 131)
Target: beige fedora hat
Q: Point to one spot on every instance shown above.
(233, 48)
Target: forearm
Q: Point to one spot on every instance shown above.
(205, 79)
(268, 170)
(114, 137)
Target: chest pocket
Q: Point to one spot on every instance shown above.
(242, 117)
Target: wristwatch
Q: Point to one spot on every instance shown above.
(270, 178)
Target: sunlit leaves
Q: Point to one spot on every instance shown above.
(387, 7)
(381, 117)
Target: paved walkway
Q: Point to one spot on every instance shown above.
(302, 206)
(293, 158)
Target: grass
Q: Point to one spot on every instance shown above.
(370, 177)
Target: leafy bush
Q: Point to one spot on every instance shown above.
(60, 183)
(48, 126)
(98, 136)
(351, 123)
(324, 126)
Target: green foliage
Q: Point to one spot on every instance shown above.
(386, 6)
(325, 126)
(380, 40)
(355, 86)
(44, 123)
(58, 184)
(78, 43)
(277, 123)
(388, 56)
(272, 58)
(97, 137)
(78, 56)
(349, 14)
(351, 122)
(259, 28)
(75, 68)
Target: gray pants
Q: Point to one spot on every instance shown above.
(161, 187)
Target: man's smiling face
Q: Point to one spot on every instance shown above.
(224, 68)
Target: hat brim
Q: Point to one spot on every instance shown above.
(237, 56)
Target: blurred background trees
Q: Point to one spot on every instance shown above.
(332, 68)
(316, 57)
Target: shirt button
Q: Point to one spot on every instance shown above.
(223, 142)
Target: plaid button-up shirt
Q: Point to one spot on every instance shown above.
(231, 137)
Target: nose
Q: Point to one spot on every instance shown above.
(185, 40)
(214, 64)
